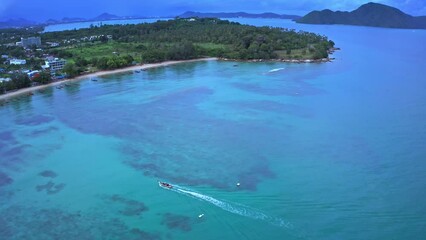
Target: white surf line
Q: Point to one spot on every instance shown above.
(238, 209)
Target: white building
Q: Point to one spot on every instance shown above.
(17, 61)
(5, 79)
(52, 44)
(31, 41)
(55, 64)
(33, 74)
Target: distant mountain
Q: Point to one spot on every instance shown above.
(64, 20)
(16, 23)
(370, 14)
(75, 19)
(20, 22)
(105, 17)
(237, 15)
(102, 17)
(51, 21)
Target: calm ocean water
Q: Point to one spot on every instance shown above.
(322, 151)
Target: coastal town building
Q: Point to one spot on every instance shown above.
(17, 61)
(54, 64)
(5, 79)
(29, 42)
(52, 44)
(33, 74)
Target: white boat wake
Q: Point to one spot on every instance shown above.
(235, 208)
(275, 70)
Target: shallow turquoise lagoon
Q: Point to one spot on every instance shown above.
(322, 151)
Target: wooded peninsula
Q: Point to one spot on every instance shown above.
(115, 46)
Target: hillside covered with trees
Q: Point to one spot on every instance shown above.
(370, 14)
(182, 39)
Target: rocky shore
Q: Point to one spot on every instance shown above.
(321, 60)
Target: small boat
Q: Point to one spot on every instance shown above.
(137, 71)
(94, 79)
(165, 185)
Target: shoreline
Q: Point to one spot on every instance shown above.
(321, 60)
(29, 90)
(289, 60)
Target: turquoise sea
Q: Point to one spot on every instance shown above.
(322, 151)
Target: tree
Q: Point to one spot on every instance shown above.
(141, 47)
(102, 63)
(94, 61)
(321, 50)
(20, 80)
(103, 39)
(81, 62)
(43, 78)
(2, 87)
(112, 63)
(128, 59)
(71, 69)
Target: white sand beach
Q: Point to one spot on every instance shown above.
(98, 74)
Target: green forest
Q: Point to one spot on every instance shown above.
(184, 39)
(116, 46)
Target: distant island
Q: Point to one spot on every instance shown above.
(21, 22)
(52, 55)
(101, 17)
(237, 15)
(16, 23)
(370, 14)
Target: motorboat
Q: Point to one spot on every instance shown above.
(165, 185)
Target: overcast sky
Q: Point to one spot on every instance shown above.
(40, 10)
